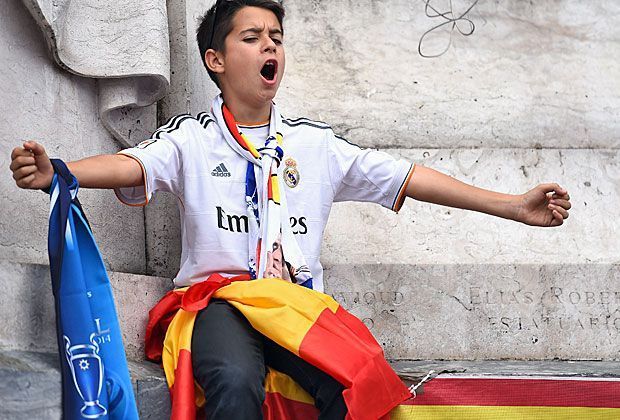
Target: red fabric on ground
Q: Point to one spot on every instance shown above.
(520, 392)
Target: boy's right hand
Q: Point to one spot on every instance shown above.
(31, 166)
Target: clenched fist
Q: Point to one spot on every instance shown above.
(31, 166)
(545, 205)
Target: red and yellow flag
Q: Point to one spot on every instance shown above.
(306, 322)
(512, 398)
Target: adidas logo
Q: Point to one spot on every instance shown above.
(220, 170)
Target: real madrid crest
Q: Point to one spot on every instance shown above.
(291, 174)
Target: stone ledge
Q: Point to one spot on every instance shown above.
(417, 369)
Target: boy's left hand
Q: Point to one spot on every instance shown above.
(544, 205)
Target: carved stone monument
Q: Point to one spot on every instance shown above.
(531, 96)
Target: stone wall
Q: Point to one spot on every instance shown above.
(533, 95)
(532, 75)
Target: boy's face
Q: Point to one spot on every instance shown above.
(253, 57)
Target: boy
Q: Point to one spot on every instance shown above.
(254, 193)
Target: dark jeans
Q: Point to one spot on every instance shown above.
(229, 358)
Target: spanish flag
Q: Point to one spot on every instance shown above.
(514, 398)
(308, 323)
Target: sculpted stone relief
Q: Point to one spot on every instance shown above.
(122, 44)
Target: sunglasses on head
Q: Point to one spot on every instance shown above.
(217, 6)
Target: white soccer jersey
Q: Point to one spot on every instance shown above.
(189, 157)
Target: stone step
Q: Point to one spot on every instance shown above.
(30, 381)
(27, 307)
(414, 370)
(448, 312)
(30, 387)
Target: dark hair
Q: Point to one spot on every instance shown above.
(223, 12)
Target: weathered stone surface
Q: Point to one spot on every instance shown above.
(124, 45)
(31, 388)
(430, 234)
(202, 88)
(151, 390)
(533, 74)
(153, 398)
(60, 110)
(415, 311)
(485, 311)
(163, 236)
(135, 295)
(469, 312)
(555, 368)
(28, 311)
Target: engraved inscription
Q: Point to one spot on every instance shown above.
(478, 296)
(349, 299)
(556, 308)
(575, 297)
(507, 323)
(376, 309)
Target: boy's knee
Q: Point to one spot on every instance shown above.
(235, 379)
(233, 392)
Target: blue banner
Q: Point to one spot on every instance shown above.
(95, 377)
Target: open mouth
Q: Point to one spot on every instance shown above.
(269, 70)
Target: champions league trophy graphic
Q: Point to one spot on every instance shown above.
(87, 371)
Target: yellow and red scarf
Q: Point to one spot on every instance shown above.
(269, 226)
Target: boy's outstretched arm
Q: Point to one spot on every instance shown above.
(32, 169)
(544, 205)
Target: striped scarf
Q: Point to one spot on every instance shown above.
(272, 249)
